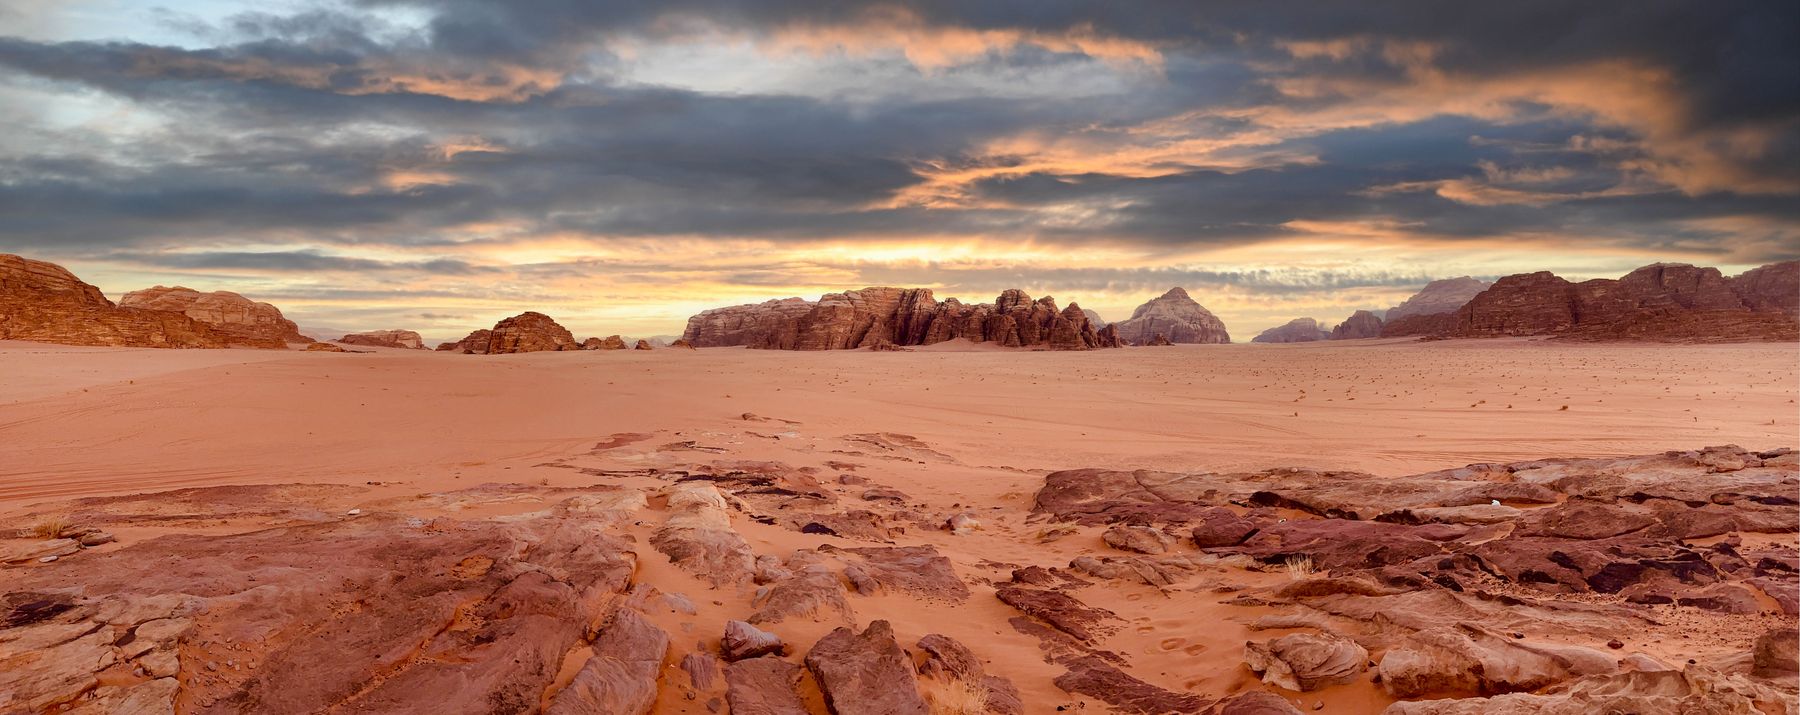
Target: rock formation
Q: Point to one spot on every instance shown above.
(1664, 302)
(1362, 324)
(527, 332)
(1298, 330)
(642, 344)
(873, 317)
(1176, 317)
(1440, 296)
(611, 342)
(43, 302)
(249, 323)
(386, 339)
(1094, 318)
(476, 343)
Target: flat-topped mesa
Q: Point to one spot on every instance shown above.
(248, 322)
(1660, 302)
(386, 339)
(898, 316)
(1361, 324)
(1177, 317)
(1298, 330)
(43, 302)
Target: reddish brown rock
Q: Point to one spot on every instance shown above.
(1222, 527)
(682, 343)
(1137, 539)
(529, 332)
(947, 659)
(875, 317)
(247, 322)
(1060, 610)
(1664, 302)
(621, 676)
(1362, 324)
(1694, 691)
(1175, 316)
(476, 343)
(1471, 659)
(642, 345)
(1257, 702)
(763, 686)
(386, 339)
(1092, 676)
(865, 673)
(325, 348)
(1298, 330)
(1158, 340)
(1306, 661)
(42, 302)
(742, 640)
(610, 342)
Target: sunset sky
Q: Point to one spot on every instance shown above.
(439, 164)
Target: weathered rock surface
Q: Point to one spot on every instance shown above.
(1137, 539)
(742, 640)
(610, 342)
(1307, 661)
(475, 343)
(1298, 330)
(865, 673)
(873, 317)
(1469, 659)
(247, 322)
(763, 686)
(386, 339)
(43, 302)
(1694, 691)
(1664, 302)
(529, 332)
(621, 676)
(1175, 316)
(642, 345)
(947, 659)
(1092, 676)
(1361, 324)
(698, 536)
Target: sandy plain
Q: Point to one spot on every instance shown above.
(984, 427)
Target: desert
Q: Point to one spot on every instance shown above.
(899, 357)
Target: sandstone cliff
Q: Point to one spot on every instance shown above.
(898, 316)
(386, 339)
(1175, 316)
(249, 323)
(1439, 296)
(1670, 302)
(44, 302)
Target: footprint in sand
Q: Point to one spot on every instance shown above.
(1172, 643)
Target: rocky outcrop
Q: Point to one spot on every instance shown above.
(873, 317)
(1094, 317)
(642, 345)
(1298, 330)
(386, 339)
(865, 673)
(476, 343)
(1437, 297)
(1661, 302)
(43, 302)
(527, 332)
(1306, 661)
(247, 322)
(1362, 324)
(530, 332)
(611, 342)
(621, 676)
(753, 324)
(1175, 316)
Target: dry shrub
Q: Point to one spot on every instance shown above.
(50, 527)
(954, 696)
(1299, 566)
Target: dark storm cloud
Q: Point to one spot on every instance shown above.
(330, 125)
(295, 261)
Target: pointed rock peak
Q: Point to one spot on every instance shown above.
(1176, 293)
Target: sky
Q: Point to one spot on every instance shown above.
(436, 165)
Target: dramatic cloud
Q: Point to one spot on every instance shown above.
(439, 163)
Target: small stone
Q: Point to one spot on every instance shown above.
(1615, 644)
(353, 512)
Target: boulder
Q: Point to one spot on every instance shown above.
(1307, 661)
(1221, 527)
(949, 661)
(1094, 677)
(529, 332)
(386, 339)
(1471, 659)
(1176, 317)
(476, 343)
(1137, 539)
(742, 640)
(642, 345)
(247, 322)
(865, 673)
(763, 686)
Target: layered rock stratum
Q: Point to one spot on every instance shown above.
(874, 317)
(386, 339)
(248, 322)
(1444, 295)
(1298, 330)
(1660, 302)
(44, 302)
(1542, 586)
(1176, 316)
